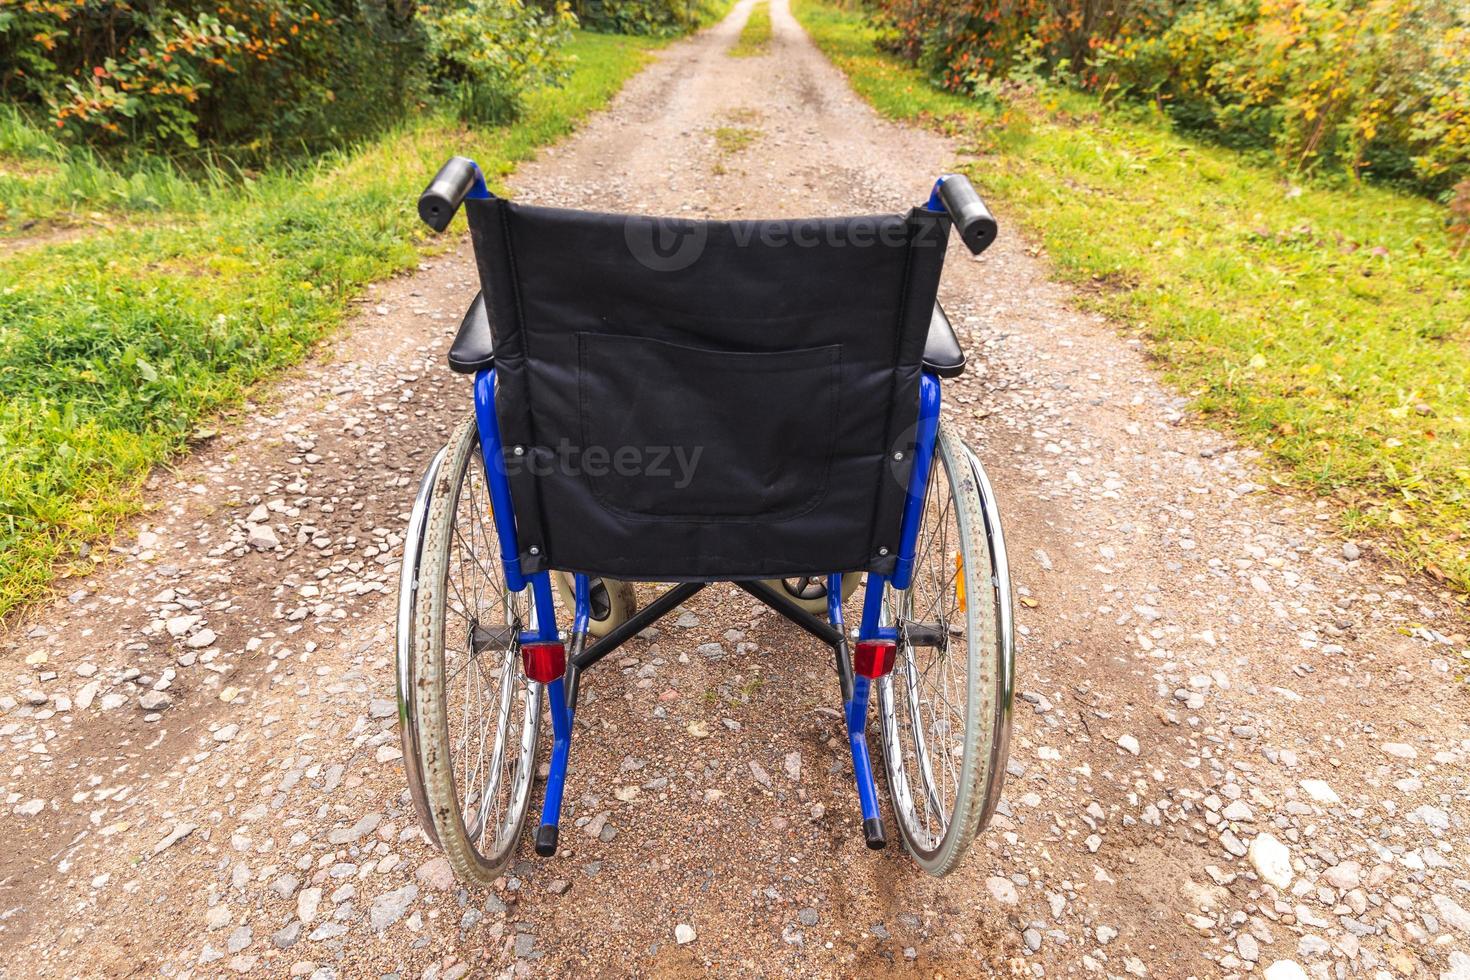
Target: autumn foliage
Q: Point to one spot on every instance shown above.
(1376, 88)
(257, 77)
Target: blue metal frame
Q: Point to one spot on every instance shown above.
(855, 713)
(926, 437)
(543, 620)
(562, 716)
(935, 202)
(856, 710)
(582, 600)
(500, 506)
(543, 625)
(478, 190)
(913, 505)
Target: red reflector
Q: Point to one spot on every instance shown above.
(873, 658)
(544, 662)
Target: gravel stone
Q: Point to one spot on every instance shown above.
(435, 874)
(1271, 860)
(155, 701)
(1002, 890)
(1285, 970)
(389, 907)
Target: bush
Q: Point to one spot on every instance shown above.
(653, 17)
(488, 54)
(243, 74)
(1367, 88)
(1362, 87)
(257, 77)
(965, 45)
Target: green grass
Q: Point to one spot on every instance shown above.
(1329, 327)
(44, 184)
(116, 345)
(733, 139)
(756, 33)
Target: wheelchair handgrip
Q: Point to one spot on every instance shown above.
(976, 224)
(447, 191)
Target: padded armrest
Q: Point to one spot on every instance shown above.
(942, 352)
(473, 349)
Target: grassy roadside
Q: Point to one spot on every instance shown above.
(756, 33)
(1328, 327)
(115, 346)
(45, 185)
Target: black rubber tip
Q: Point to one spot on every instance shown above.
(546, 839)
(873, 831)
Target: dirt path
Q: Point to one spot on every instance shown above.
(1200, 666)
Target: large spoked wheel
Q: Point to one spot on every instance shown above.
(475, 714)
(945, 709)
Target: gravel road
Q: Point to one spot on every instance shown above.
(1241, 743)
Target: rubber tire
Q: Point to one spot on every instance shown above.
(818, 607)
(968, 816)
(428, 687)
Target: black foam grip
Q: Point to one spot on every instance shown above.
(446, 192)
(971, 217)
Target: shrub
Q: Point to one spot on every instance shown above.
(966, 44)
(1378, 87)
(258, 77)
(245, 74)
(1361, 87)
(488, 54)
(654, 17)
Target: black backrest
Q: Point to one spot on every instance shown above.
(706, 400)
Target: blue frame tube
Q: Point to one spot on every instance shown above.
(544, 631)
(582, 596)
(479, 191)
(834, 600)
(913, 505)
(855, 713)
(935, 202)
(500, 504)
(869, 629)
(561, 751)
(925, 441)
(857, 740)
(543, 628)
(856, 710)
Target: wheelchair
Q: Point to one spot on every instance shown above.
(680, 403)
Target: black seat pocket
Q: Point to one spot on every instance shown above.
(672, 432)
